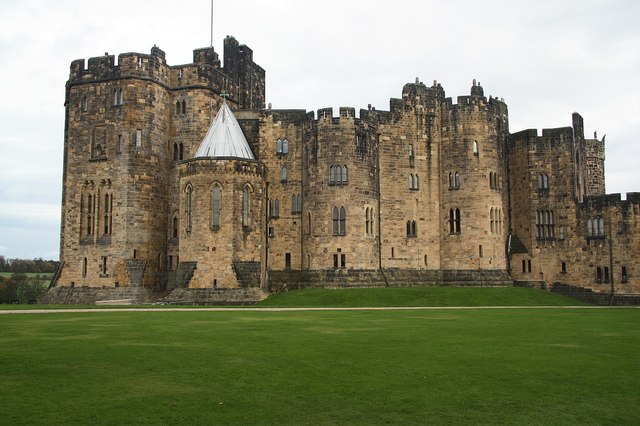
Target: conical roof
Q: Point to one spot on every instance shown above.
(225, 138)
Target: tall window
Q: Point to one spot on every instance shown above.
(174, 225)
(338, 175)
(411, 228)
(545, 228)
(450, 180)
(296, 203)
(90, 209)
(189, 207)
(413, 182)
(543, 182)
(216, 199)
(138, 138)
(454, 221)
(245, 206)
(274, 208)
(339, 221)
(84, 267)
(457, 180)
(118, 96)
(411, 154)
(279, 146)
(475, 148)
(285, 146)
(108, 205)
(85, 104)
(283, 174)
(368, 214)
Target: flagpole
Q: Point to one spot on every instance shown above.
(211, 23)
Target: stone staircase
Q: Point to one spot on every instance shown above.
(247, 273)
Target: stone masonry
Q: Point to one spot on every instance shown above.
(430, 192)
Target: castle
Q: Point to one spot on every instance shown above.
(159, 196)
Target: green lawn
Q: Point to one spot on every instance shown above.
(419, 296)
(480, 366)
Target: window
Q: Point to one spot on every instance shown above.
(103, 266)
(457, 180)
(623, 275)
(480, 252)
(529, 265)
(285, 146)
(411, 229)
(598, 274)
(85, 104)
(216, 199)
(272, 232)
(181, 151)
(138, 138)
(543, 182)
(118, 96)
(283, 174)
(492, 221)
(189, 207)
(454, 221)
(595, 227)
(296, 203)
(120, 144)
(287, 261)
(524, 266)
(343, 260)
(174, 226)
(545, 224)
(413, 182)
(108, 205)
(450, 180)
(279, 146)
(335, 260)
(411, 155)
(561, 232)
(274, 208)
(338, 175)
(175, 152)
(563, 266)
(184, 107)
(493, 181)
(245, 206)
(84, 267)
(339, 221)
(368, 214)
(606, 274)
(475, 148)
(309, 223)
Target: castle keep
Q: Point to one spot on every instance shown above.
(157, 196)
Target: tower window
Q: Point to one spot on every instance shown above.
(216, 200)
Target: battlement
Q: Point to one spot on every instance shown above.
(611, 200)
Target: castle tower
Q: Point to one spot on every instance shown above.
(221, 211)
(473, 183)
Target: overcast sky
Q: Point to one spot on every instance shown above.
(546, 58)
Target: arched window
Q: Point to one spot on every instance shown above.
(174, 232)
(89, 214)
(294, 203)
(283, 174)
(184, 107)
(345, 176)
(108, 205)
(84, 267)
(85, 103)
(332, 174)
(177, 107)
(600, 227)
(336, 221)
(245, 206)
(452, 222)
(299, 210)
(411, 151)
(279, 146)
(495, 181)
(492, 220)
(343, 221)
(189, 207)
(450, 180)
(475, 148)
(181, 156)
(175, 152)
(115, 97)
(491, 180)
(285, 146)
(457, 182)
(216, 205)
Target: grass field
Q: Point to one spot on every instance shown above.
(44, 275)
(479, 366)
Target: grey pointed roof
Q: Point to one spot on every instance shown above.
(225, 138)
